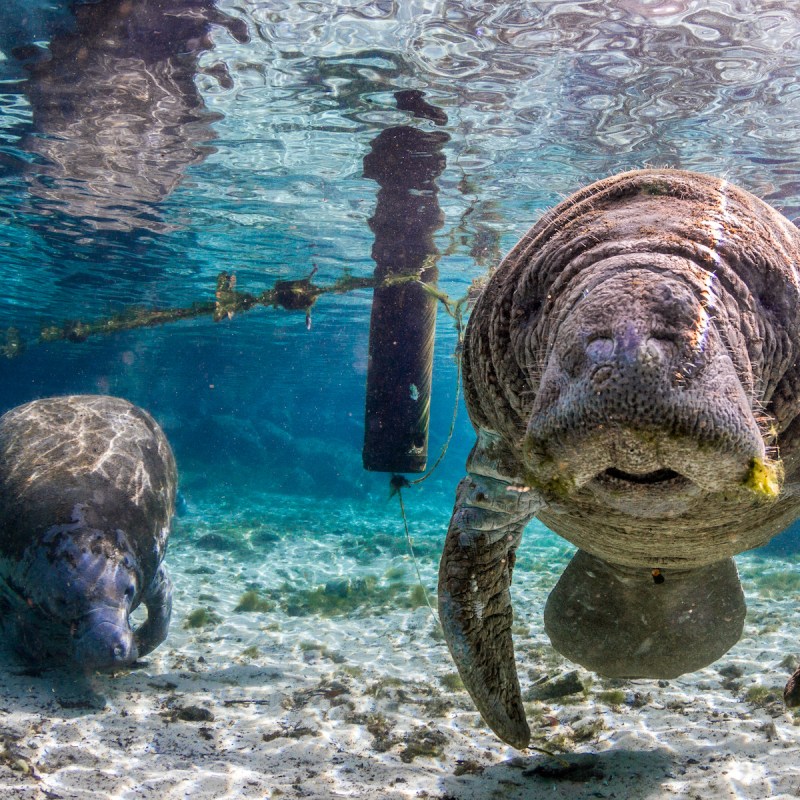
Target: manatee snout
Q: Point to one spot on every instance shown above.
(640, 396)
(89, 588)
(104, 639)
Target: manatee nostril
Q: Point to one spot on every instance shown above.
(601, 348)
(661, 347)
(597, 350)
(123, 649)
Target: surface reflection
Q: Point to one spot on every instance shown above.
(117, 117)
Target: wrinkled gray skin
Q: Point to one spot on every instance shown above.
(87, 491)
(632, 372)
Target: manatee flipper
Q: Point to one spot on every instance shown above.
(158, 601)
(622, 622)
(474, 600)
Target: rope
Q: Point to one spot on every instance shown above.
(397, 483)
(458, 318)
(449, 436)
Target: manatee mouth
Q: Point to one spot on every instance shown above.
(656, 477)
(655, 494)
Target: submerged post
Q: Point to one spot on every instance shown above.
(405, 162)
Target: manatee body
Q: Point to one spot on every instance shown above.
(87, 491)
(632, 369)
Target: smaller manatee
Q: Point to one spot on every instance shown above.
(87, 492)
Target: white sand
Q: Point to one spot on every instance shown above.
(355, 705)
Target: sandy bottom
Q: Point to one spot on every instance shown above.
(336, 683)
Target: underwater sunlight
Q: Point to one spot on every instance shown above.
(320, 319)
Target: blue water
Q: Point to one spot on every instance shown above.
(133, 172)
(266, 179)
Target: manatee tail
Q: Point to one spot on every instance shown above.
(630, 623)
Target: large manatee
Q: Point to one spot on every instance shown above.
(87, 491)
(632, 372)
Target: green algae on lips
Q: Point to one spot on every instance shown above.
(765, 478)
